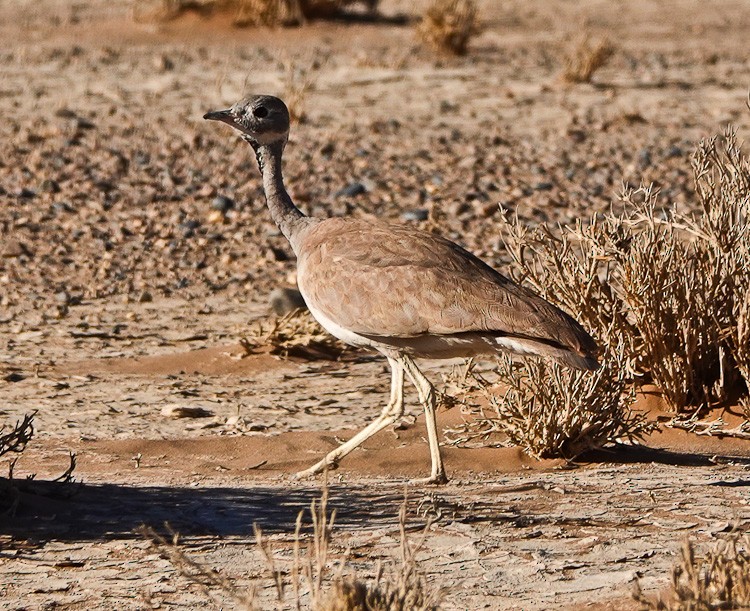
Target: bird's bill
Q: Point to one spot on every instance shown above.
(225, 116)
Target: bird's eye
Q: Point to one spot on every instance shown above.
(260, 112)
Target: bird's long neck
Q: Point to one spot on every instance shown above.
(285, 214)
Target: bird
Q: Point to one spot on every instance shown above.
(403, 292)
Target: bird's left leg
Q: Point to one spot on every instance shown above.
(427, 397)
(390, 414)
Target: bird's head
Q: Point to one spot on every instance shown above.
(260, 119)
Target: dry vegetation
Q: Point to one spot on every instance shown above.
(448, 25)
(552, 411)
(586, 58)
(315, 582)
(666, 296)
(248, 12)
(719, 580)
(670, 287)
(295, 334)
(15, 442)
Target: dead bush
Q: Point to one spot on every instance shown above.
(551, 411)
(246, 12)
(586, 58)
(719, 580)
(447, 26)
(295, 334)
(17, 438)
(11, 489)
(315, 584)
(670, 287)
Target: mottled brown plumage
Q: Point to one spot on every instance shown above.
(403, 292)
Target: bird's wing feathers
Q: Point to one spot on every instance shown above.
(385, 280)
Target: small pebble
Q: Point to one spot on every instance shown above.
(352, 190)
(418, 214)
(222, 203)
(284, 300)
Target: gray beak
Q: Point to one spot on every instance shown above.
(225, 116)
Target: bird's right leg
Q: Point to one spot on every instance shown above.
(390, 414)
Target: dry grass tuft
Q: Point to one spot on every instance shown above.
(316, 586)
(720, 580)
(448, 25)
(587, 57)
(551, 411)
(295, 334)
(270, 13)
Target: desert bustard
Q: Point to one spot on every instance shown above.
(403, 292)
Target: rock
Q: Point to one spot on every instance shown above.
(673, 151)
(276, 254)
(49, 186)
(60, 207)
(222, 203)
(644, 158)
(216, 217)
(14, 248)
(188, 228)
(286, 299)
(544, 186)
(145, 297)
(82, 123)
(351, 190)
(418, 214)
(14, 377)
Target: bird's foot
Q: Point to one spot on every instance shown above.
(438, 479)
(317, 469)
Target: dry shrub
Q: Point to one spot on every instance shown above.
(448, 25)
(247, 12)
(586, 58)
(670, 288)
(552, 411)
(295, 334)
(15, 441)
(311, 576)
(720, 580)
(17, 438)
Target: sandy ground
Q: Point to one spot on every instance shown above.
(124, 292)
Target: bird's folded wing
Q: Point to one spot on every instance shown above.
(383, 280)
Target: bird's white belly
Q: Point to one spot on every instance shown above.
(345, 335)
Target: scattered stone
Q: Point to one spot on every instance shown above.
(673, 151)
(351, 190)
(544, 186)
(49, 186)
(14, 377)
(83, 123)
(222, 203)
(644, 158)
(418, 214)
(188, 228)
(284, 300)
(216, 217)
(145, 297)
(15, 248)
